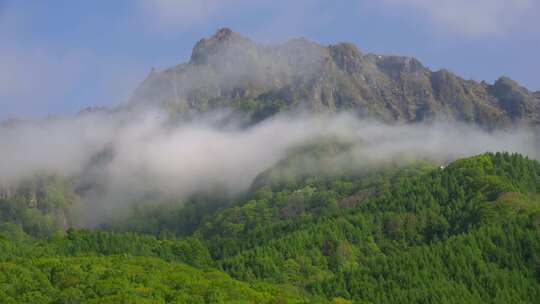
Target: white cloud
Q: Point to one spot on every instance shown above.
(286, 16)
(465, 17)
(475, 17)
(181, 13)
(148, 154)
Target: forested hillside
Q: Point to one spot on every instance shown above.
(468, 232)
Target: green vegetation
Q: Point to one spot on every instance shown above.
(122, 279)
(39, 205)
(466, 233)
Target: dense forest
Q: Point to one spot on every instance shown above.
(467, 232)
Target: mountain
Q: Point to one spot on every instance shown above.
(465, 233)
(228, 70)
(206, 211)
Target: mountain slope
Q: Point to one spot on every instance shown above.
(468, 232)
(413, 235)
(228, 70)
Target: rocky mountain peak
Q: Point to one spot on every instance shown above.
(347, 56)
(395, 64)
(514, 99)
(506, 88)
(224, 39)
(504, 81)
(346, 49)
(231, 71)
(224, 33)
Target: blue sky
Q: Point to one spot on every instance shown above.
(60, 56)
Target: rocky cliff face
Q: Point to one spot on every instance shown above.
(228, 70)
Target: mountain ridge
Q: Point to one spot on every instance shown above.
(227, 70)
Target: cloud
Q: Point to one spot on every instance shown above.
(276, 16)
(182, 13)
(149, 154)
(474, 17)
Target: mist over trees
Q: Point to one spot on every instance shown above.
(403, 234)
(293, 173)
